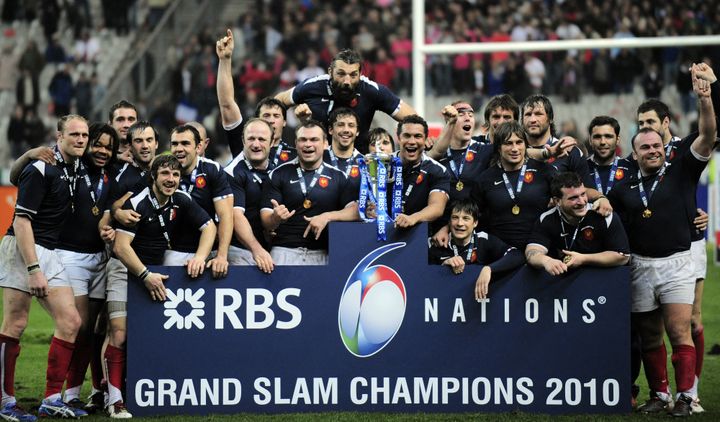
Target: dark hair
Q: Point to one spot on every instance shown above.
(164, 160)
(310, 123)
(97, 129)
(257, 119)
(188, 128)
(604, 121)
(466, 205)
(66, 118)
(653, 104)
(141, 125)
(412, 119)
(644, 130)
(537, 100)
(503, 133)
(377, 133)
(271, 102)
(348, 56)
(567, 179)
(341, 112)
(120, 104)
(504, 101)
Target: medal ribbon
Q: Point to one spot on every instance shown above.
(521, 180)
(348, 161)
(278, 152)
(611, 178)
(453, 167)
(193, 177)
(646, 197)
(471, 247)
(251, 170)
(306, 189)
(161, 219)
(562, 225)
(94, 194)
(71, 180)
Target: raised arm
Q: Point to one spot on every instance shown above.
(703, 144)
(229, 109)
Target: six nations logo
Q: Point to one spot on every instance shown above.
(372, 306)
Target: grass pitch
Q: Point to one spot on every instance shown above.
(30, 379)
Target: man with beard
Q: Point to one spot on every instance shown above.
(121, 116)
(606, 168)
(132, 179)
(268, 109)
(657, 207)
(206, 183)
(538, 122)
(571, 235)
(30, 266)
(247, 173)
(302, 197)
(344, 86)
(162, 209)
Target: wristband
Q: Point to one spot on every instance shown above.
(143, 275)
(33, 268)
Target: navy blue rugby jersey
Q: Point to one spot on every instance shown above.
(206, 184)
(180, 213)
(370, 96)
(483, 249)
(602, 174)
(331, 192)
(80, 233)
(44, 197)
(593, 234)
(512, 219)
(667, 228)
(246, 184)
(418, 182)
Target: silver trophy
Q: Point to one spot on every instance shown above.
(372, 161)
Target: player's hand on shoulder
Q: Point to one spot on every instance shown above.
(127, 218)
(441, 238)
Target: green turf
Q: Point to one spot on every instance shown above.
(30, 380)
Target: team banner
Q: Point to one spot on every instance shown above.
(379, 330)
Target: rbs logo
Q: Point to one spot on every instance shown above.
(372, 306)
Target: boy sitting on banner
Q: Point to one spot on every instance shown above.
(468, 247)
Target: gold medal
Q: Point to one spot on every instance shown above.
(459, 186)
(95, 211)
(515, 210)
(647, 213)
(566, 259)
(307, 203)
